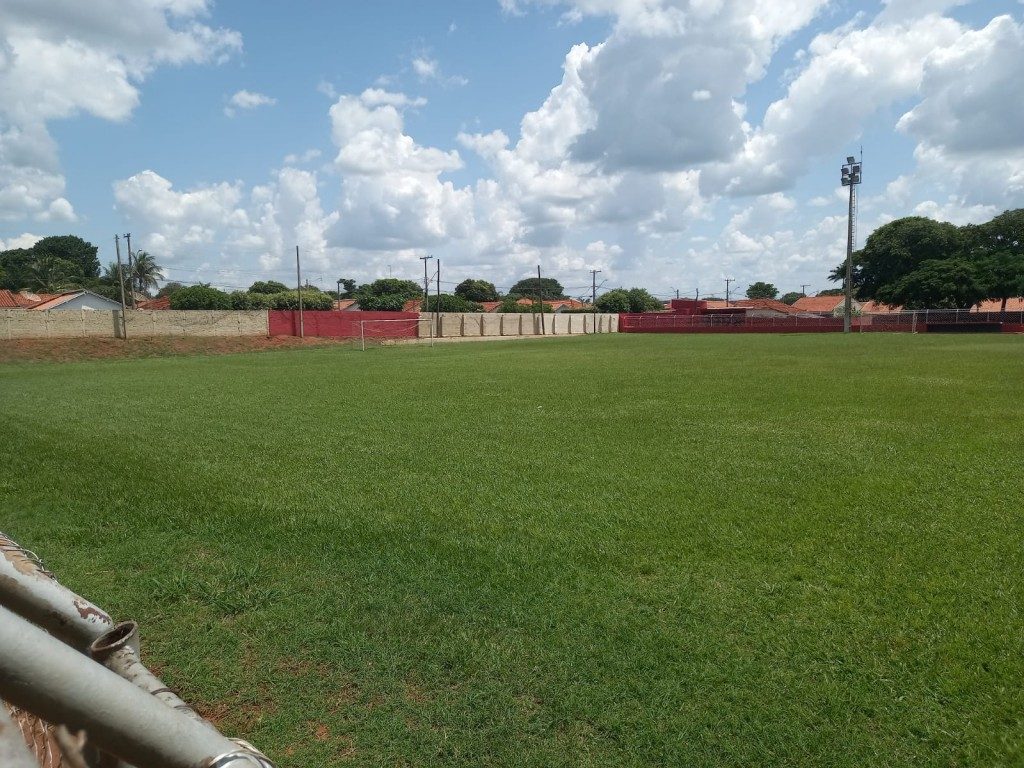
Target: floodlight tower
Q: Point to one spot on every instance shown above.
(851, 178)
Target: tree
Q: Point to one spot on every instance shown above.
(831, 292)
(1003, 233)
(73, 249)
(762, 290)
(267, 286)
(939, 284)
(897, 249)
(641, 300)
(511, 305)
(633, 300)
(50, 274)
(616, 300)
(792, 297)
(447, 302)
(998, 248)
(145, 273)
(477, 290)
(544, 287)
(169, 289)
(348, 287)
(313, 300)
(200, 297)
(388, 294)
(1002, 276)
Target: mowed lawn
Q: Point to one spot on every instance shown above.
(631, 550)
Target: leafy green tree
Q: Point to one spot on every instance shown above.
(145, 273)
(616, 300)
(51, 274)
(200, 297)
(831, 292)
(112, 292)
(510, 305)
(1002, 276)
(267, 286)
(311, 300)
(169, 289)
(16, 265)
(939, 284)
(641, 300)
(792, 297)
(477, 290)
(633, 300)
(250, 300)
(388, 294)
(544, 287)
(897, 249)
(447, 302)
(762, 290)
(73, 249)
(1005, 232)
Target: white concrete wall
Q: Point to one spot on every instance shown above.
(196, 322)
(474, 324)
(77, 323)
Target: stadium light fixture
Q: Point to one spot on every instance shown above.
(851, 177)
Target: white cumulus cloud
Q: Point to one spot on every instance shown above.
(247, 100)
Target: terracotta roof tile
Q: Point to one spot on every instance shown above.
(160, 302)
(771, 304)
(818, 303)
(11, 300)
(56, 301)
(995, 305)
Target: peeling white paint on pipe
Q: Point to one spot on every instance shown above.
(48, 678)
(29, 590)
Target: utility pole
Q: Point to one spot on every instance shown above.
(426, 283)
(120, 280)
(438, 307)
(697, 295)
(803, 289)
(540, 291)
(131, 270)
(298, 277)
(677, 293)
(593, 295)
(728, 280)
(339, 289)
(851, 177)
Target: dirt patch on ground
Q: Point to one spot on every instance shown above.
(74, 350)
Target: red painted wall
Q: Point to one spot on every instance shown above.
(663, 322)
(345, 325)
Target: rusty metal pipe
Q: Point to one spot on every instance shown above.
(13, 751)
(46, 677)
(118, 651)
(28, 589)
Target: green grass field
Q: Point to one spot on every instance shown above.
(633, 550)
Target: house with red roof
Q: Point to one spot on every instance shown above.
(79, 299)
(833, 306)
(753, 308)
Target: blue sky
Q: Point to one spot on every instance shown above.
(668, 143)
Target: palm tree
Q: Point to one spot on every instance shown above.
(145, 273)
(48, 274)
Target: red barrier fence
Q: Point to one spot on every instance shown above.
(658, 322)
(345, 325)
(920, 321)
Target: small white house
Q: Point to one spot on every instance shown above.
(80, 299)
